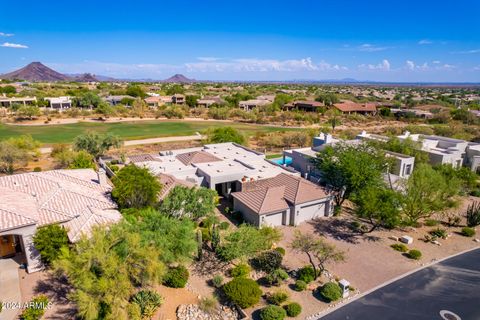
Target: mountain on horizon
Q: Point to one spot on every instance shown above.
(35, 71)
(86, 77)
(179, 78)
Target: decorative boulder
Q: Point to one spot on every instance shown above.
(406, 239)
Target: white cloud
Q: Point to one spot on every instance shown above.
(425, 41)
(410, 65)
(477, 68)
(382, 66)
(208, 59)
(261, 65)
(13, 45)
(2, 34)
(367, 47)
(467, 51)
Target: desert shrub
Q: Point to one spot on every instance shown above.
(176, 277)
(399, 247)
(300, 285)
(148, 301)
(36, 308)
(268, 261)
(242, 270)
(439, 233)
(273, 313)
(37, 169)
(217, 281)
(414, 254)
(330, 291)
(468, 232)
(473, 214)
(276, 277)
(306, 274)
(49, 240)
(431, 222)
(281, 250)
(293, 309)
(242, 291)
(208, 304)
(277, 298)
(224, 225)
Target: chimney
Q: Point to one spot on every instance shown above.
(102, 177)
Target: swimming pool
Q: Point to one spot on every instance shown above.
(288, 161)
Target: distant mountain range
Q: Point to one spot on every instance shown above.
(36, 72)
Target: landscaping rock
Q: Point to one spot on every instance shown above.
(393, 238)
(406, 239)
(193, 312)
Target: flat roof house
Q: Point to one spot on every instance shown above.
(178, 98)
(208, 101)
(156, 101)
(304, 105)
(76, 199)
(114, 100)
(59, 103)
(251, 104)
(7, 102)
(229, 168)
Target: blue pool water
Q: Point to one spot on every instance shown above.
(288, 161)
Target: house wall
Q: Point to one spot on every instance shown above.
(247, 213)
(311, 210)
(32, 255)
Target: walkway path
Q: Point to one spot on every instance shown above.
(127, 143)
(9, 287)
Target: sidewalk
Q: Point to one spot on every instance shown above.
(10, 287)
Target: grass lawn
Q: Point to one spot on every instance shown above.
(65, 133)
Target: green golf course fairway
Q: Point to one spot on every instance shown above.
(66, 133)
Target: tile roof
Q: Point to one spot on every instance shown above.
(267, 195)
(71, 197)
(349, 106)
(169, 182)
(264, 200)
(143, 158)
(196, 157)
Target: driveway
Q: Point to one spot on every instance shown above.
(9, 287)
(449, 290)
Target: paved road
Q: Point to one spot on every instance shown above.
(148, 141)
(452, 285)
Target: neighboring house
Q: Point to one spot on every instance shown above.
(8, 102)
(156, 101)
(349, 107)
(235, 171)
(412, 112)
(59, 103)
(282, 200)
(304, 105)
(114, 100)
(441, 150)
(178, 98)
(77, 199)
(301, 159)
(208, 101)
(251, 104)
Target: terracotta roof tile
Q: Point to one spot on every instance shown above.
(196, 157)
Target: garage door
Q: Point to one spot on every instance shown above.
(310, 212)
(274, 219)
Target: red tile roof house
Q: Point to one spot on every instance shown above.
(76, 199)
(348, 107)
(304, 105)
(282, 200)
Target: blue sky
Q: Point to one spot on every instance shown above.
(422, 40)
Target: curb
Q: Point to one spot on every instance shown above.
(361, 295)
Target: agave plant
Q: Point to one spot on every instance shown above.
(148, 301)
(473, 214)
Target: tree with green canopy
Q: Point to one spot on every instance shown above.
(225, 134)
(347, 169)
(135, 187)
(191, 203)
(95, 143)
